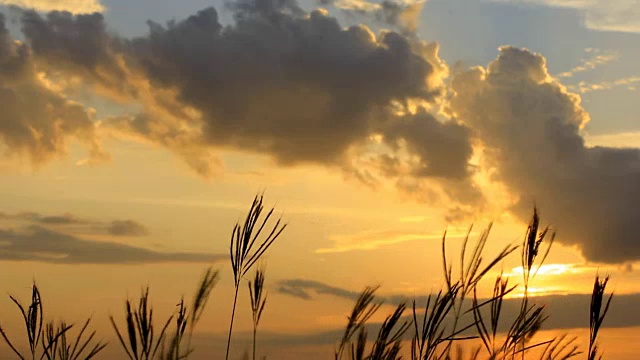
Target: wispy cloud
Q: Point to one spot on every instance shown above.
(308, 289)
(597, 58)
(70, 222)
(403, 14)
(630, 83)
(36, 243)
(371, 240)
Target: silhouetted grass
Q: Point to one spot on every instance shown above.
(50, 341)
(452, 316)
(432, 339)
(143, 342)
(242, 252)
(258, 301)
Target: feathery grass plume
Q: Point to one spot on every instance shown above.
(472, 270)
(388, 343)
(488, 330)
(363, 309)
(358, 348)
(531, 247)
(143, 344)
(188, 318)
(61, 348)
(430, 331)
(51, 339)
(258, 301)
(597, 314)
(530, 318)
(33, 322)
(173, 351)
(561, 348)
(242, 253)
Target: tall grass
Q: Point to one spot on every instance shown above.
(140, 339)
(49, 341)
(258, 299)
(449, 318)
(438, 330)
(242, 249)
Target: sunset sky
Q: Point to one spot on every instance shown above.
(135, 137)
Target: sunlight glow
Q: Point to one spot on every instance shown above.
(546, 270)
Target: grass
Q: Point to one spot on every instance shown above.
(438, 330)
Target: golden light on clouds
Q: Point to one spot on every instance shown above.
(72, 6)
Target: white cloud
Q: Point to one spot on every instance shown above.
(72, 6)
(608, 15)
(583, 87)
(597, 58)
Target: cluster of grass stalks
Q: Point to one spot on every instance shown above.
(455, 314)
(436, 330)
(48, 340)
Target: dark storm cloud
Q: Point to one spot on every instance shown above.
(114, 227)
(277, 81)
(35, 243)
(36, 121)
(531, 126)
(300, 88)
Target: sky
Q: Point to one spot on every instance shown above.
(135, 135)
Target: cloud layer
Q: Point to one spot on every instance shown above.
(35, 243)
(66, 239)
(68, 221)
(300, 88)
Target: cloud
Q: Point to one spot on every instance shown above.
(126, 228)
(630, 83)
(371, 240)
(305, 289)
(404, 15)
(565, 311)
(75, 224)
(36, 243)
(598, 58)
(301, 89)
(605, 15)
(36, 120)
(278, 81)
(531, 126)
(72, 6)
